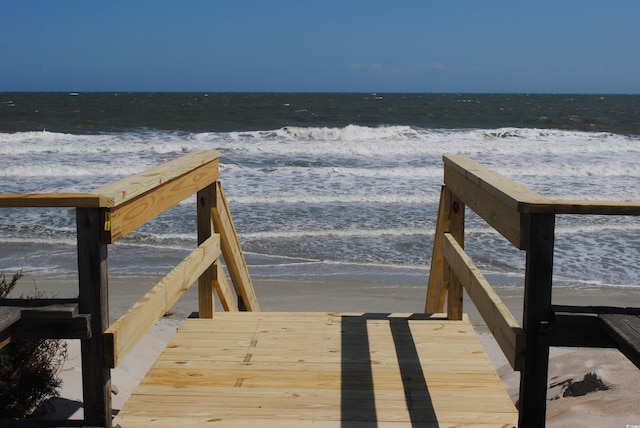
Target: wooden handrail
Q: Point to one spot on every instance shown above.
(507, 191)
(108, 213)
(126, 190)
(51, 200)
(584, 207)
(125, 333)
(501, 323)
(120, 192)
(498, 200)
(527, 220)
(520, 198)
(155, 191)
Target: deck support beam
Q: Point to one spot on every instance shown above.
(537, 316)
(93, 298)
(456, 227)
(206, 298)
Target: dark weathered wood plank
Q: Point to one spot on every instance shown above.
(8, 317)
(584, 207)
(78, 327)
(537, 315)
(30, 303)
(51, 200)
(93, 299)
(624, 329)
(578, 329)
(51, 311)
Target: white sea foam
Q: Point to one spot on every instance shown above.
(364, 194)
(362, 233)
(271, 198)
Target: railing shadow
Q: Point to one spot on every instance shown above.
(358, 401)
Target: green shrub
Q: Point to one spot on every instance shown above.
(29, 368)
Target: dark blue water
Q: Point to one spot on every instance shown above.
(87, 113)
(325, 185)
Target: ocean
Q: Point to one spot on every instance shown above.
(326, 186)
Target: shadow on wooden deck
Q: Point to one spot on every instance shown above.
(358, 392)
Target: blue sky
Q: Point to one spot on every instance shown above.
(560, 46)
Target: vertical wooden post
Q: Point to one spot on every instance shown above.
(456, 228)
(93, 298)
(206, 298)
(436, 288)
(536, 318)
(450, 220)
(232, 252)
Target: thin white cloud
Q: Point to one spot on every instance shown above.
(375, 67)
(437, 66)
(399, 71)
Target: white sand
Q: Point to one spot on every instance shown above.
(124, 378)
(616, 407)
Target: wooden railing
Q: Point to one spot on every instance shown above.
(104, 216)
(527, 220)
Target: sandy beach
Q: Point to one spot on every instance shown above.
(615, 407)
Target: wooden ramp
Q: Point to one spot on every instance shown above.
(321, 370)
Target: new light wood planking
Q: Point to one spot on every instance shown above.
(321, 370)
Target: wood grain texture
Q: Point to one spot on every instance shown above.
(223, 288)
(206, 297)
(131, 327)
(455, 291)
(51, 200)
(232, 252)
(116, 193)
(624, 329)
(93, 299)
(437, 287)
(129, 188)
(8, 316)
(585, 207)
(501, 216)
(512, 194)
(536, 318)
(501, 323)
(321, 370)
(134, 212)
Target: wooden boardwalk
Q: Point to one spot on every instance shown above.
(317, 369)
(321, 370)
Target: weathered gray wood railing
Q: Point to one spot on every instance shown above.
(527, 220)
(105, 215)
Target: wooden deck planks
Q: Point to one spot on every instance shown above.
(624, 329)
(321, 370)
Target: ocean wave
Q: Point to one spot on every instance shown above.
(306, 198)
(357, 193)
(331, 233)
(351, 140)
